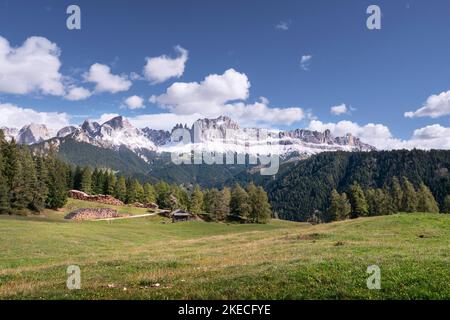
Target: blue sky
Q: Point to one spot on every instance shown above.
(378, 74)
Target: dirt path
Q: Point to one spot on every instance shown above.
(127, 217)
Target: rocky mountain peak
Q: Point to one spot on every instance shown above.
(90, 127)
(33, 133)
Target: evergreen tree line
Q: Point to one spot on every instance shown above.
(30, 182)
(244, 204)
(303, 188)
(399, 195)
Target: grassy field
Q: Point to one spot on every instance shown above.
(196, 260)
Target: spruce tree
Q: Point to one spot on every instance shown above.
(410, 200)
(340, 207)
(396, 195)
(358, 201)
(41, 192)
(149, 193)
(77, 177)
(86, 180)
(333, 209)
(120, 191)
(57, 192)
(426, 201)
(4, 190)
(345, 207)
(163, 195)
(110, 183)
(212, 204)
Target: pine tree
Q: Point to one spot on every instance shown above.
(149, 193)
(446, 206)
(120, 191)
(225, 198)
(86, 180)
(253, 202)
(196, 203)
(345, 207)
(133, 191)
(110, 183)
(358, 201)
(41, 192)
(4, 190)
(77, 177)
(212, 204)
(340, 207)
(372, 202)
(396, 195)
(163, 195)
(410, 200)
(30, 181)
(263, 212)
(239, 204)
(57, 192)
(333, 209)
(426, 201)
(182, 197)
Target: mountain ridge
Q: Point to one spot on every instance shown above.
(220, 134)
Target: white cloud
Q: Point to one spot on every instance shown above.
(379, 135)
(283, 25)
(162, 68)
(224, 95)
(32, 67)
(78, 93)
(339, 110)
(305, 62)
(134, 102)
(105, 81)
(435, 106)
(16, 117)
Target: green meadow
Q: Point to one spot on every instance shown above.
(152, 258)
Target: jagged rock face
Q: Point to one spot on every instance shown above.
(10, 133)
(158, 137)
(90, 127)
(213, 129)
(220, 135)
(64, 132)
(33, 133)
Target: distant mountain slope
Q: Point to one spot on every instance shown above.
(306, 187)
(85, 154)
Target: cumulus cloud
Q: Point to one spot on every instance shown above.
(339, 110)
(32, 67)
(77, 93)
(379, 135)
(17, 117)
(162, 68)
(105, 81)
(305, 62)
(224, 95)
(435, 106)
(134, 102)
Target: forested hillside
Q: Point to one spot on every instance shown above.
(307, 187)
(30, 182)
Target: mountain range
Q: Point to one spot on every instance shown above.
(214, 135)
